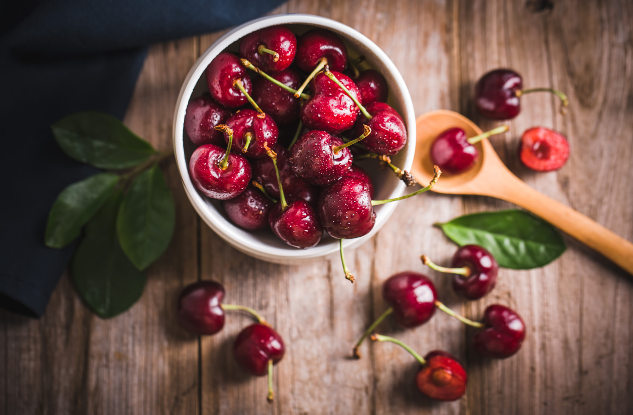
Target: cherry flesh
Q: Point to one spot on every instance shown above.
(329, 108)
(319, 158)
(222, 74)
(442, 378)
(281, 105)
(297, 225)
(543, 149)
(251, 132)
(502, 335)
(372, 86)
(388, 132)
(211, 179)
(346, 210)
(255, 346)
(358, 173)
(412, 297)
(271, 49)
(498, 92)
(202, 115)
(249, 210)
(200, 307)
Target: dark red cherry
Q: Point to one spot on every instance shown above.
(213, 181)
(249, 128)
(318, 158)
(255, 346)
(222, 74)
(200, 307)
(442, 377)
(297, 225)
(345, 209)
(388, 133)
(249, 210)
(329, 107)
(294, 187)
(372, 86)
(452, 152)
(412, 297)
(202, 115)
(270, 49)
(543, 149)
(275, 101)
(358, 173)
(482, 272)
(502, 335)
(320, 43)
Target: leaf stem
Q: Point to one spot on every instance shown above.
(436, 176)
(297, 134)
(238, 83)
(463, 271)
(366, 132)
(273, 157)
(478, 138)
(261, 49)
(559, 94)
(348, 275)
(250, 66)
(457, 316)
(370, 330)
(254, 313)
(380, 338)
(349, 94)
(224, 163)
(320, 65)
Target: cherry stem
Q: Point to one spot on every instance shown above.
(358, 60)
(238, 83)
(380, 338)
(478, 138)
(457, 316)
(348, 275)
(297, 134)
(349, 94)
(366, 132)
(317, 69)
(224, 163)
(261, 49)
(370, 330)
(271, 394)
(255, 314)
(250, 66)
(249, 137)
(260, 187)
(273, 156)
(559, 94)
(403, 175)
(463, 271)
(436, 176)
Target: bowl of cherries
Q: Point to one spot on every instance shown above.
(291, 137)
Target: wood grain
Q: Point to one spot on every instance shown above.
(577, 358)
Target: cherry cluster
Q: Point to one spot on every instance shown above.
(413, 299)
(311, 185)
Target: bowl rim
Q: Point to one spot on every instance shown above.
(223, 227)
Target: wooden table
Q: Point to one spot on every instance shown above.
(578, 356)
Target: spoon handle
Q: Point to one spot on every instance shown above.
(573, 223)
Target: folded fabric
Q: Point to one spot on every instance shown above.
(58, 57)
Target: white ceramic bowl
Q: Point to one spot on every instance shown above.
(264, 245)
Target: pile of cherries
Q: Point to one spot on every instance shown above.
(311, 185)
(412, 299)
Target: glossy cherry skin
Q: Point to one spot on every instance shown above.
(329, 108)
(249, 210)
(262, 131)
(358, 173)
(200, 307)
(442, 378)
(502, 335)
(255, 346)
(483, 272)
(275, 101)
(372, 86)
(202, 115)
(294, 187)
(221, 75)
(452, 152)
(388, 133)
(495, 94)
(214, 182)
(298, 225)
(313, 158)
(412, 297)
(276, 38)
(345, 209)
(543, 149)
(320, 43)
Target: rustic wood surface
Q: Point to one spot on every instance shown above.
(578, 356)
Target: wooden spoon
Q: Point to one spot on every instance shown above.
(490, 177)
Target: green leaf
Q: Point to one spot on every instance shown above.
(102, 274)
(100, 140)
(146, 218)
(515, 238)
(75, 205)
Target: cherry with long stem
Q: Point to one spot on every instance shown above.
(238, 84)
(436, 176)
(224, 163)
(559, 94)
(322, 64)
(403, 175)
(253, 68)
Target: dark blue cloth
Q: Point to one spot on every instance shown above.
(58, 57)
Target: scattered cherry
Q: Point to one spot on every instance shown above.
(225, 77)
(543, 149)
(249, 210)
(202, 116)
(372, 86)
(276, 101)
(498, 92)
(503, 333)
(474, 271)
(251, 132)
(271, 48)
